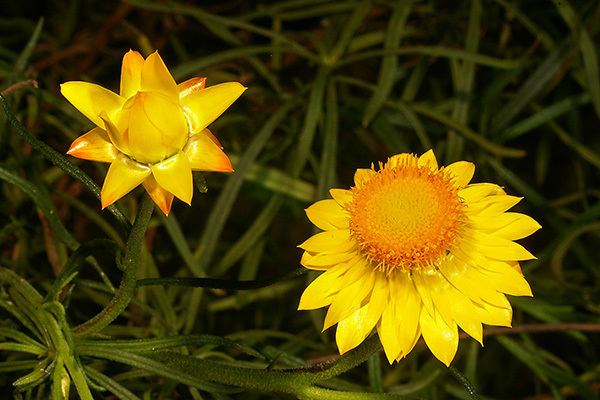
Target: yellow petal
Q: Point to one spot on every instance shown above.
(379, 299)
(202, 107)
(492, 315)
(320, 292)
(457, 272)
(441, 338)
(206, 155)
(123, 175)
(408, 310)
(91, 99)
(328, 215)
(387, 329)
(399, 326)
(498, 248)
(328, 242)
(162, 198)
(505, 277)
(410, 345)
(522, 227)
(154, 126)
(462, 171)
(453, 305)
(421, 283)
(428, 158)
(509, 225)
(94, 145)
(493, 205)
(352, 330)
(342, 196)
(114, 134)
(349, 299)
(131, 73)
(362, 175)
(399, 159)
(190, 86)
(175, 175)
(157, 78)
(478, 191)
(324, 261)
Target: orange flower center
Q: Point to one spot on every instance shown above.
(406, 216)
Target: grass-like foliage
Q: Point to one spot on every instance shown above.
(96, 305)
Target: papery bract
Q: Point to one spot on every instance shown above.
(415, 250)
(154, 132)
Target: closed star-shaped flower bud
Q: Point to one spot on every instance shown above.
(154, 132)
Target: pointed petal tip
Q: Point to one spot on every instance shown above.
(105, 202)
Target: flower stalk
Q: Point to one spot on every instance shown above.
(131, 262)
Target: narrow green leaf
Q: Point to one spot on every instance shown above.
(467, 132)
(124, 293)
(174, 230)
(230, 22)
(252, 235)
(543, 370)
(463, 85)
(532, 87)
(41, 371)
(311, 118)
(61, 382)
(222, 209)
(374, 370)
(278, 181)
(220, 212)
(23, 348)
(435, 51)
(25, 55)
(179, 373)
(74, 263)
(417, 125)
(62, 162)
(13, 366)
(588, 50)
(388, 70)
(327, 173)
(543, 116)
(110, 384)
(354, 22)
(582, 149)
(42, 200)
(19, 336)
(153, 344)
(528, 23)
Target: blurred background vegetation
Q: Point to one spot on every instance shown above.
(511, 85)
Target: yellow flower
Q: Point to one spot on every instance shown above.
(154, 132)
(414, 249)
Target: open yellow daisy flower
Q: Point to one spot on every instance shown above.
(414, 249)
(154, 132)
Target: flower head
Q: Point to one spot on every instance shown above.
(413, 249)
(154, 132)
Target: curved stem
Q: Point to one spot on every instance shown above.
(214, 283)
(60, 161)
(124, 294)
(344, 363)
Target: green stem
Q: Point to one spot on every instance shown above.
(313, 392)
(214, 283)
(124, 293)
(347, 361)
(197, 371)
(60, 161)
